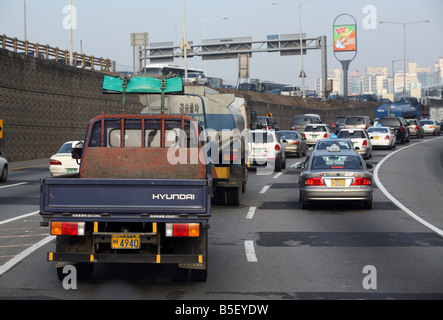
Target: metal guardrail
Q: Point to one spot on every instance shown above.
(55, 54)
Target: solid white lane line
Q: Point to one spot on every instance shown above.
(265, 188)
(395, 201)
(8, 265)
(250, 251)
(251, 212)
(19, 217)
(13, 185)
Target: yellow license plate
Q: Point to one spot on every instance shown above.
(338, 182)
(376, 137)
(125, 241)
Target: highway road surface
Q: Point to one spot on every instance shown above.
(267, 248)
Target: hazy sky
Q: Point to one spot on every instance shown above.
(104, 26)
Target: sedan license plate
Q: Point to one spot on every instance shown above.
(258, 150)
(69, 171)
(376, 137)
(338, 182)
(125, 241)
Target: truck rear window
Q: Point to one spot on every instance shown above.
(174, 134)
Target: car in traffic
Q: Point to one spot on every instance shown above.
(62, 162)
(360, 140)
(299, 122)
(294, 142)
(415, 128)
(358, 122)
(266, 149)
(399, 125)
(430, 127)
(4, 167)
(292, 91)
(266, 123)
(339, 124)
(315, 132)
(382, 137)
(335, 174)
(325, 144)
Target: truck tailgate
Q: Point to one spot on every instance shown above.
(124, 196)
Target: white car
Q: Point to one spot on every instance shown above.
(360, 139)
(430, 127)
(382, 137)
(315, 132)
(62, 162)
(266, 149)
(3, 169)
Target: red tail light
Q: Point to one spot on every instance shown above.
(325, 135)
(315, 181)
(387, 138)
(416, 127)
(401, 129)
(361, 181)
(68, 228)
(303, 135)
(55, 162)
(294, 142)
(365, 142)
(277, 147)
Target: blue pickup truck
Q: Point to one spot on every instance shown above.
(139, 197)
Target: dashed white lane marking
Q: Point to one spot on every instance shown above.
(265, 188)
(278, 175)
(13, 185)
(250, 251)
(395, 201)
(251, 212)
(19, 217)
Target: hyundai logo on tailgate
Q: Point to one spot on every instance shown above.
(173, 196)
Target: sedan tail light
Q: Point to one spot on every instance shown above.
(325, 135)
(361, 181)
(315, 181)
(55, 162)
(387, 138)
(277, 147)
(365, 142)
(303, 135)
(294, 142)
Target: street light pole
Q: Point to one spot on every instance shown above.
(299, 3)
(404, 49)
(185, 43)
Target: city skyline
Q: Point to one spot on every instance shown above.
(381, 81)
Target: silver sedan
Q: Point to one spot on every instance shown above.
(295, 144)
(335, 174)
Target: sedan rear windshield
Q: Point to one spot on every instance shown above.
(377, 130)
(336, 162)
(355, 120)
(427, 122)
(288, 135)
(351, 134)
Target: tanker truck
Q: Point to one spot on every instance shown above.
(224, 119)
(408, 109)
